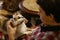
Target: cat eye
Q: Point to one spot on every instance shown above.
(20, 17)
(14, 18)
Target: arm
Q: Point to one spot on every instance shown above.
(48, 20)
(11, 31)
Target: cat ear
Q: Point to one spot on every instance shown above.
(17, 13)
(14, 15)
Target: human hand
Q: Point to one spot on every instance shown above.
(10, 30)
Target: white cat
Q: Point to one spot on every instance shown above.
(19, 20)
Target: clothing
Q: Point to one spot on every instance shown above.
(50, 28)
(34, 36)
(51, 8)
(38, 35)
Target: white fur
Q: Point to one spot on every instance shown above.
(22, 28)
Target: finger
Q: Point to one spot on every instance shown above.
(8, 23)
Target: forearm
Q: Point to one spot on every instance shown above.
(11, 36)
(48, 20)
(10, 30)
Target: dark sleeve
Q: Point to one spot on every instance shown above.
(50, 28)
